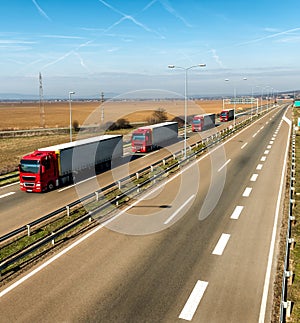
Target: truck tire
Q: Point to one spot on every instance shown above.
(50, 186)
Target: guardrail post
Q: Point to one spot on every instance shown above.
(28, 230)
(152, 168)
(68, 210)
(119, 185)
(137, 175)
(97, 196)
(164, 162)
(52, 241)
(291, 241)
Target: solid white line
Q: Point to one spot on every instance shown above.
(237, 212)
(244, 145)
(70, 186)
(7, 194)
(8, 185)
(178, 210)
(228, 161)
(247, 192)
(263, 158)
(254, 178)
(263, 305)
(219, 249)
(193, 301)
(259, 167)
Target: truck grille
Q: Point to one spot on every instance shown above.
(28, 178)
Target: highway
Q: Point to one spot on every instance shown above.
(199, 248)
(19, 208)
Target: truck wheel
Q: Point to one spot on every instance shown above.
(50, 186)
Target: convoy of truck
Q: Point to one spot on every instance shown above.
(227, 115)
(203, 122)
(151, 137)
(51, 167)
(54, 166)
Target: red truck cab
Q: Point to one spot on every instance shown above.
(141, 140)
(38, 171)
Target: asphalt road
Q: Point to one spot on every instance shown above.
(18, 208)
(199, 248)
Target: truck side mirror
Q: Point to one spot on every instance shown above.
(43, 169)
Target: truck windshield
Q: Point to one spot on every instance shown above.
(138, 137)
(196, 121)
(224, 114)
(29, 166)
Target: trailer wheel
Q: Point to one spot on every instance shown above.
(50, 186)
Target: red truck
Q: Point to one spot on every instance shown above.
(54, 166)
(227, 115)
(202, 122)
(147, 138)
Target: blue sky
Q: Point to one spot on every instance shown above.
(115, 46)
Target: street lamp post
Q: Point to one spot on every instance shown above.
(70, 108)
(185, 96)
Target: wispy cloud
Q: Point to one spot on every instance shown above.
(216, 57)
(40, 10)
(127, 17)
(167, 6)
(274, 35)
(63, 57)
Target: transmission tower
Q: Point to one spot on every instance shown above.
(42, 109)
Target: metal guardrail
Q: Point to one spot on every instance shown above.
(287, 277)
(206, 143)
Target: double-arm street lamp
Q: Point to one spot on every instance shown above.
(70, 107)
(185, 96)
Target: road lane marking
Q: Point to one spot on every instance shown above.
(219, 249)
(178, 210)
(271, 142)
(254, 178)
(269, 146)
(259, 166)
(70, 186)
(263, 158)
(247, 192)
(244, 145)
(266, 152)
(193, 301)
(253, 136)
(7, 194)
(237, 212)
(228, 161)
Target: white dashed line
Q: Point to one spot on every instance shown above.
(237, 212)
(7, 194)
(263, 158)
(259, 167)
(219, 249)
(227, 162)
(247, 192)
(244, 145)
(266, 152)
(193, 301)
(254, 178)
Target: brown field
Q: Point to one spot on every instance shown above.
(18, 116)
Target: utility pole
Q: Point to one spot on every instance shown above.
(42, 109)
(102, 107)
